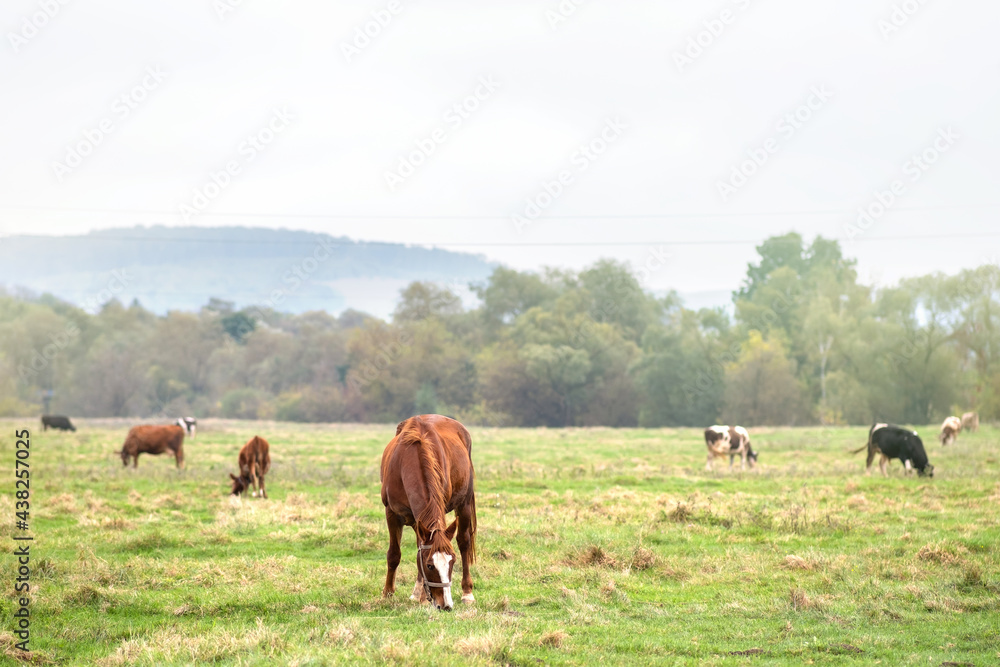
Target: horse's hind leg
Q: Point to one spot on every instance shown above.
(465, 539)
(392, 556)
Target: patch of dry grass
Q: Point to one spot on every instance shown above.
(170, 645)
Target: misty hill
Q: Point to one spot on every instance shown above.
(180, 268)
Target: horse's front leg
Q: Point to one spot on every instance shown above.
(392, 556)
(466, 537)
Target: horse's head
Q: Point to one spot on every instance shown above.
(239, 485)
(436, 560)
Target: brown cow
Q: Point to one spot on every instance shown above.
(950, 428)
(255, 461)
(153, 440)
(970, 421)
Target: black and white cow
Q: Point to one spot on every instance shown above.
(189, 424)
(894, 442)
(729, 441)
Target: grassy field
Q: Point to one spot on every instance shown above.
(597, 546)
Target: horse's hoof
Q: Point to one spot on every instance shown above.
(469, 598)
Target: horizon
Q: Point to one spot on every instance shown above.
(385, 296)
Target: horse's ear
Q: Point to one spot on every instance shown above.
(422, 535)
(450, 531)
(233, 477)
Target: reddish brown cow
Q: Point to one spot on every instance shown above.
(255, 461)
(153, 440)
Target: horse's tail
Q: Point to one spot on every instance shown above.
(472, 536)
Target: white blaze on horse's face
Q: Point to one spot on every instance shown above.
(442, 562)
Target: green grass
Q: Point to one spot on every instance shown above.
(596, 546)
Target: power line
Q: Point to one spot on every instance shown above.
(600, 216)
(487, 244)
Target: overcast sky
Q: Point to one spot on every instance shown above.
(117, 113)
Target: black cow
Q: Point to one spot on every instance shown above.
(57, 421)
(894, 442)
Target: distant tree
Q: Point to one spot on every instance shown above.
(238, 325)
(421, 300)
(509, 293)
(220, 306)
(761, 388)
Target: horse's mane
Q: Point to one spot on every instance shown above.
(412, 435)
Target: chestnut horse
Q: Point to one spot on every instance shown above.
(426, 473)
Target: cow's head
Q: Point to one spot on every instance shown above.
(124, 454)
(919, 454)
(239, 485)
(751, 457)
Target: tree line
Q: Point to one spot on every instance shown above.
(806, 344)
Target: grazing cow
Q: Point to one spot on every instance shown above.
(189, 424)
(255, 461)
(153, 440)
(58, 422)
(729, 441)
(894, 442)
(950, 428)
(970, 421)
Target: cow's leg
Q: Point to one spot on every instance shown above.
(868, 464)
(392, 556)
(708, 464)
(135, 460)
(883, 464)
(908, 466)
(465, 538)
(263, 493)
